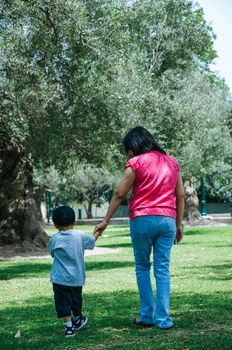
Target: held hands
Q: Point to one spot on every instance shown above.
(96, 235)
(179, 233)
(100, 228)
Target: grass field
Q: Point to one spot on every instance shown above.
(201, 299)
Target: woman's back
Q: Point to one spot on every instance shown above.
(154, 187)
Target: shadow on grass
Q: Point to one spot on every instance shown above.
(25, 270)
(33, 269)
(220, 267)
(207, 230)
(203, 244)
(220, 245)
(107, 265)
(118, 234)
(110, 320)
(220, 272)
(123, 227)
(116, 245)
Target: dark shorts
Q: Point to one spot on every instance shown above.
(68, 300)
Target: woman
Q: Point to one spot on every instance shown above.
(156, 214)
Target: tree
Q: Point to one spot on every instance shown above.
(219, 186)
(80, 182)
(75, 75)
(45, 181)
(57, 70)
(66, 64)
(89, 183)
(55, 74)
(190, 121)
(173, 93)
(19, 222)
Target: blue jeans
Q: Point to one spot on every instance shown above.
(157, 232)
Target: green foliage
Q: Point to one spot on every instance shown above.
(188, 115)
(219, 185)
(47, 179)
(169, 33)
(78, 183)
(200, 136)
(58, 77)
(87, 183)
(76, 75)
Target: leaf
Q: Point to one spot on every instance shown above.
(18, 334)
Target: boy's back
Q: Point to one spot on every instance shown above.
(67, 248)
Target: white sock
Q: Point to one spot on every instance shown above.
(68, 324)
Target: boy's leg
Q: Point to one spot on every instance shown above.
(76, 301)
(63, 304)
(63, 300)
(79, 321)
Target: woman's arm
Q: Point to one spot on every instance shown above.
(124, 187)
(179, 192)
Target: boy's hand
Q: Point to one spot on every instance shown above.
(96, 235)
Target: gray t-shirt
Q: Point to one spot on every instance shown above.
(67, 248)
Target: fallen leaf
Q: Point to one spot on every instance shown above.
(18, 334)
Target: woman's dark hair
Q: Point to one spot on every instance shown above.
(139, 140)
(63, 216)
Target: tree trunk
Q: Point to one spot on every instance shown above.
(191, 202)
(19, 221)
(88, 209)
(39, 197)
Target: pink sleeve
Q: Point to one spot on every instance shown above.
(175, 163)
(133, 163)
(177, 166)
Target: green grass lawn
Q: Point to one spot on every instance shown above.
(201, 298)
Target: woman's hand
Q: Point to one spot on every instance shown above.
(100, 228)
(179, 233)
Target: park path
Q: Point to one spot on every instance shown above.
(7, 253)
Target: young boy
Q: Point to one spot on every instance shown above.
(68, 269)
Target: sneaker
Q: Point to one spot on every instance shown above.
(79, 323)
(139, 322)
(69, 332)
